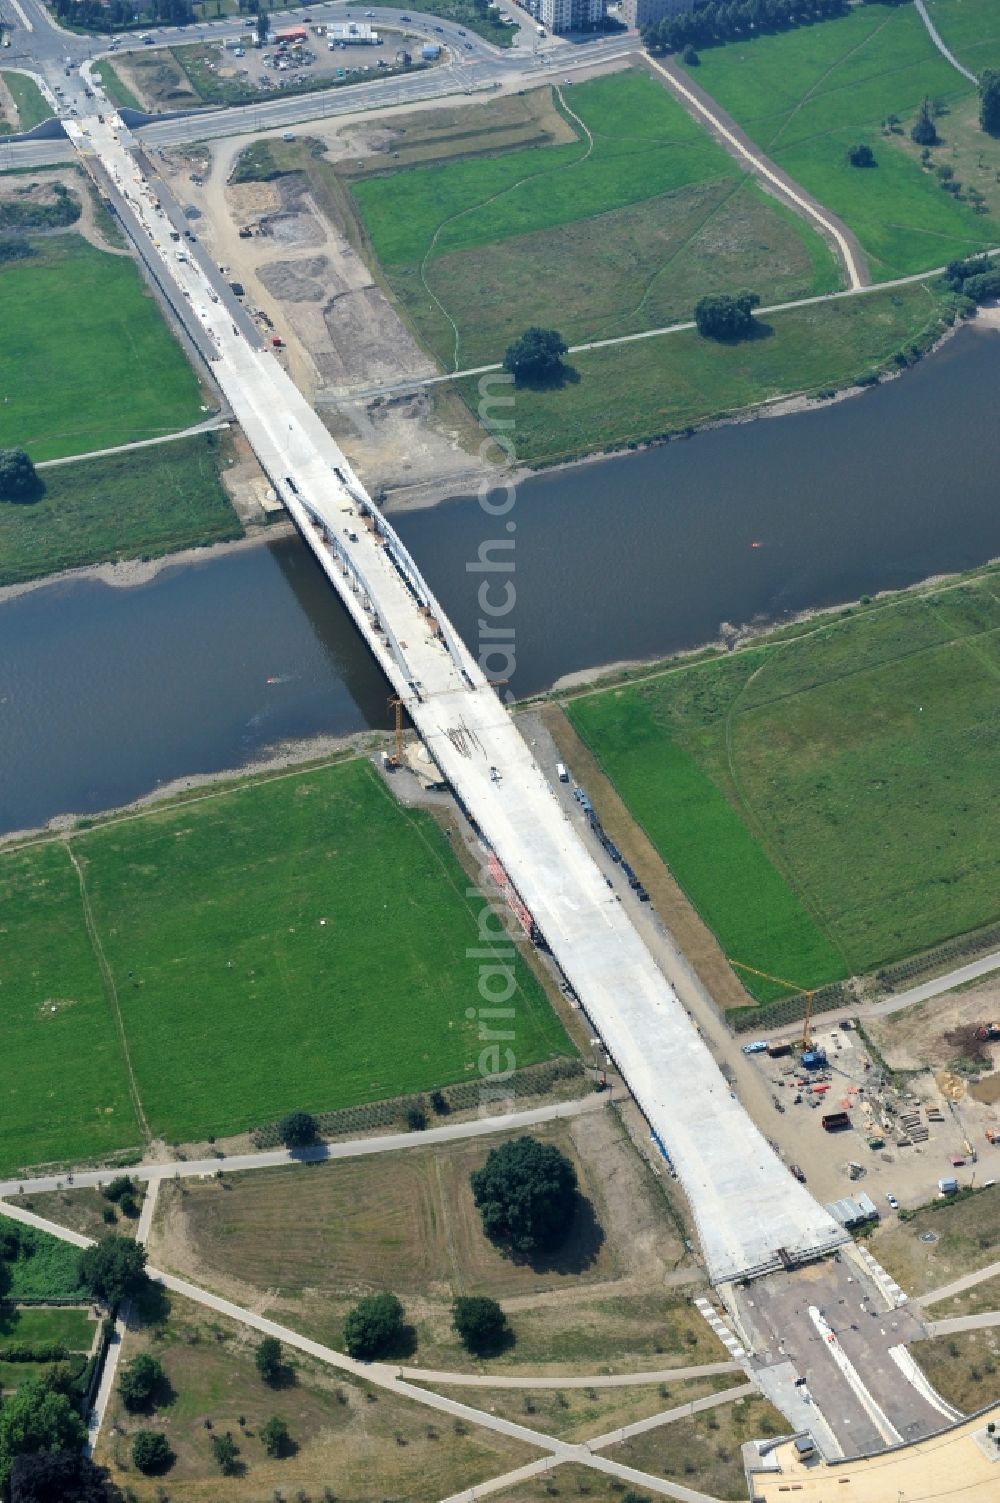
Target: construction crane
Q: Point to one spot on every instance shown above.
(396, 760)
(793, 986)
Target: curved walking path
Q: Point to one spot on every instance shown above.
(207, 425)
(945, 52)
(603, 1380)
(740, 145)
(386, 1376)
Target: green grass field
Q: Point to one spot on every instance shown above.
(825, 799)
(293, 942)
(633, 392)
(39, 1326)
(115, 88)
(641, 214)
(95, 365)
(805, 96)
(971, 28)
(45, 1269)
(140, 504)
(32, 106)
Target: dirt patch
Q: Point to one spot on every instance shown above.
(920, 1037)
(295, 281)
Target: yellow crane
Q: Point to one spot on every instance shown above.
(793, 986)
(398, 705)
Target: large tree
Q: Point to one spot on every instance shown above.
(924, 131)
(989, 101)
(480, 1323)
(18, 480)
(720, 316)
(151, 1451)
(374, 1327)
(139, 1380)
(298, 1129)
(536, 355)
(36, 1418)
(113, 1268)
(526, 1194)
(60, 1477)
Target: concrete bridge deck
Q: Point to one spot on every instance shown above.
(751, 1214)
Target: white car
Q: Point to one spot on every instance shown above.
(892, 1201)
(757, 1047)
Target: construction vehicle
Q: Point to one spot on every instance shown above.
(987, 1031)
(834, 1121)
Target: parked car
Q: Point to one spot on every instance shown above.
(799, 1172)
(892, 1200)
(757, 1047)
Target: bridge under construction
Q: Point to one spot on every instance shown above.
(752, 1216)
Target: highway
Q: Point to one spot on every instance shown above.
(751, 1215)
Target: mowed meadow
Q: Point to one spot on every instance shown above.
(618, 229)
(294, 942)
(825, 799)
(805, 96)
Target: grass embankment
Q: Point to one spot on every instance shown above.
(824, 799)
(618, 230)
(32, 105)
(95, 365)
(962, 1368)
(140, 504)
(622, 396)
(704, 1452)
(298, 942)
(118, 92)
(806, 96)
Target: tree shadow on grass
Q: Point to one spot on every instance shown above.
(577, 1251)
(564, 375)
(151, 1306)
(757, 331)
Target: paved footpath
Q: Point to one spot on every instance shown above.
(350, 1148)
(386, 1376)
(959, 1286)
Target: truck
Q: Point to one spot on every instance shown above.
(948, 1186)
(835, 1121)
(540, 31)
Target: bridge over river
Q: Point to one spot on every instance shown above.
(752, 1216)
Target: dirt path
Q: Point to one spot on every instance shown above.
(774, 179)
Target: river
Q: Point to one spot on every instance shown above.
(107, 692)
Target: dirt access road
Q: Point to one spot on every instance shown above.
(339, 328)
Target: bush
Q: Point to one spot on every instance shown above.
(267, 1359)
(416, 1118)
(439, 1103)
(861, 156)
(481, 1324)
(18, 480)
(139, 1380)
(122, 1185)
(274, 1436)
(374, 1326)
(15, 248)
(151, 1451)
(526, 1194)
(225, 1450)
